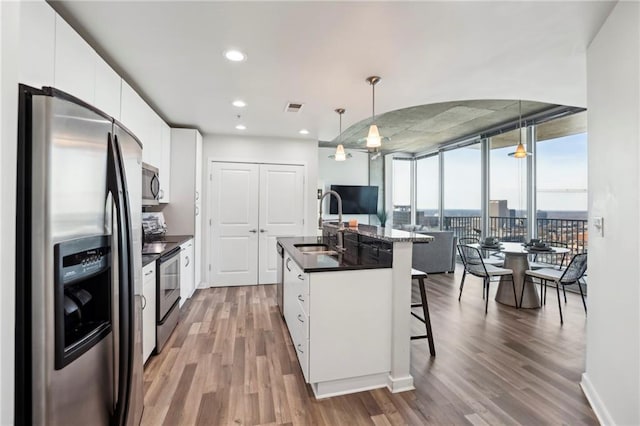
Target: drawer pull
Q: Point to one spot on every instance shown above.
(300, 277)
(144, 300)
(287, 264)
(148, 273)
(298, 348)
(300, 318)
(300, 298)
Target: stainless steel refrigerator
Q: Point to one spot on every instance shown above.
(79, 265)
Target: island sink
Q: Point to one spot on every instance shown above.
(314, 249)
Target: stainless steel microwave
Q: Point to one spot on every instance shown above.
(150, 185)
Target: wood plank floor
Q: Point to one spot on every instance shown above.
(230, 362)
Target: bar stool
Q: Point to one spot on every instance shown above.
(420, 276)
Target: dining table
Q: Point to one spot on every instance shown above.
(516, 258)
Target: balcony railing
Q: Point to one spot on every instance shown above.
(572, 233)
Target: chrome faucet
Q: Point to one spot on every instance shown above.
(340, 246)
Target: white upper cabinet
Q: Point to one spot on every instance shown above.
(37, 43)
(152, 153)
(132, 114)
(75, 63)
(107, 90)
(152, 131)
(165, 162)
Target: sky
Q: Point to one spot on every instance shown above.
(561, 177)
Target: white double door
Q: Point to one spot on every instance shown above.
(252, 205)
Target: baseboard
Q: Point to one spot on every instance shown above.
(400, 384)
(603, 415)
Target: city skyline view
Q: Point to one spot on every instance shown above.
(561, 178)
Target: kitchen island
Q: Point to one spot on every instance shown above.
(348, 310)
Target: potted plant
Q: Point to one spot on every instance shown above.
(382, 217)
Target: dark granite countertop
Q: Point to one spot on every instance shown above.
(171, 241)
(388, 234)
(355, 257)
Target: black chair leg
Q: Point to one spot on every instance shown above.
(427, 318)
(565, 294)
(464, 274)
(524, 280)
(486, 301)
(582, 295)
(559, 303)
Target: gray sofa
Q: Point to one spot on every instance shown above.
(437, 256)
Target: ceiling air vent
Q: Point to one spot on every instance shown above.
(293, 107)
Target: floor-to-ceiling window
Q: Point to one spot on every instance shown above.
(507, 188)
(462, 191)
(561, 182)
(402, 187)
(427, 192)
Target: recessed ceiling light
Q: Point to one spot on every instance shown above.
(304, 132)
(235, 55)
(239, 104)
(241, 127)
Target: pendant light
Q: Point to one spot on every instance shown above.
(520, 151)
(340, 154)
(373, 139)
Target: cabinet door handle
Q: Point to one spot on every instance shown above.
(188, 261)
(287, 264)
(197, 195)
(144, 299)
(253, 231)
(300, 298)
(197, 210)
(148, 273)
(300, 277)
(300, 318)
(262, 231)
(298, 348)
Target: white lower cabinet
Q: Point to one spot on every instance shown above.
(187, 271)
(148, 310)
(340, 327)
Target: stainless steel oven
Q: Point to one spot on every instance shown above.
(150, 185)
(168, 295)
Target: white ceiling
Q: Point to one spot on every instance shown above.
(319, 53)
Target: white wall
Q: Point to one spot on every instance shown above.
(353, 171)
(261, 150)
(9, 18)
(612, 377)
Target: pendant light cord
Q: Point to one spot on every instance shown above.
(373, 103)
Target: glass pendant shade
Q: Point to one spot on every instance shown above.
(340, 154)
(373, 139)
(520, 151)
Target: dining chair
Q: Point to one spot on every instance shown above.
(549, 260)
(474, 264)
(571, 275)
(497, 261)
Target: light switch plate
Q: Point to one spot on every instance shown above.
(598, 223)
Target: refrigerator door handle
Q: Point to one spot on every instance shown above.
(117, 187)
